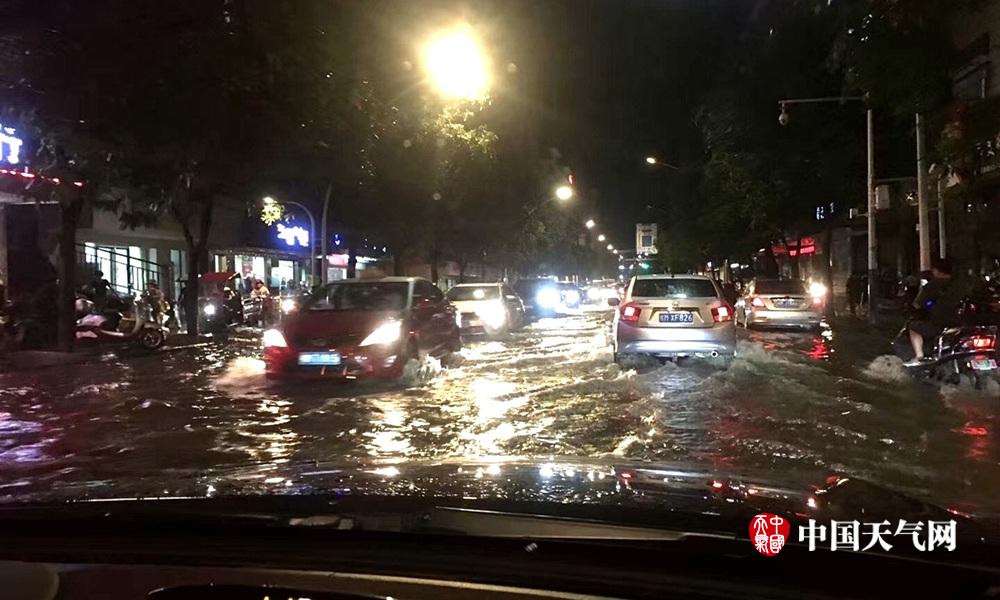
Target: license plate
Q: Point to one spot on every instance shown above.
(786, 303)
(676, 317)
(319, 358)
(984, 364)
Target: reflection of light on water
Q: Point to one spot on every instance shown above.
(241, 374)
(386, 436)
(386, 471)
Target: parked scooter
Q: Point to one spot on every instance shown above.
(143, 327)
(966, 351)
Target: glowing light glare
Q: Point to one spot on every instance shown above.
(564, 192)
(457, 66)
(610, 247)
(478, 294)
(601, 238)
(274, 338)
(209, 310)
(546, 471)
(650, 160)
(493, 469)
(817, 289)
(590, 224)
(385, 333)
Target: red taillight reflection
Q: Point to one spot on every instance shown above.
(630, 312)
(818, 301)
(722, 313)
(757, 301)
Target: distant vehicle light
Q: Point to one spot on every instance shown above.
(817, 289)
(722, 313)
(548, 298)
(594, 293)
(209, 310)
(478, 294)
(386, 333)
(982, 341)
(757, 301)
(273, 338)
(288, 305)
(571, 297)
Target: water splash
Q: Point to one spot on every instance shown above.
(888, 368)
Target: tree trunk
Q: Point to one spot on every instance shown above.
(397, 263)
(191, 297)
(69, 217)
(435, 256)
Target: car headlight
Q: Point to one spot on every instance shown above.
(548, 298)
(494, 314)
(274, 339)
(385, 333)
(288, 305)
(571, 297)
(209, 310)
(594, 294)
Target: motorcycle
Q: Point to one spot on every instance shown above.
(966, 351)
(143, 326)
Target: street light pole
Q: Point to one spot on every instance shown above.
(322, 244)
(783, 119)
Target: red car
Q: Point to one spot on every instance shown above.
(359, 328)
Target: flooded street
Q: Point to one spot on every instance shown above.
(793, 407)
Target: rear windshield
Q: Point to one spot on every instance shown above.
(785, 286)
(525, 287)
(674, 288)
(361, 296)
(486, 292)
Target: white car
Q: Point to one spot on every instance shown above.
(487, 308)
(674, 316)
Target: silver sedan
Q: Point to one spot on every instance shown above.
(779, 303)
(674, 316)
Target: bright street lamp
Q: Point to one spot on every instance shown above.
(614, 251)
(457, 65)
(601, 238)
(590, 223)
(564, 192)
(610, 247)
(650, 160)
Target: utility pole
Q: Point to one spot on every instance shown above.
(872, 240)
(923, 217)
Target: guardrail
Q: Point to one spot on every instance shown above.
(127, 274)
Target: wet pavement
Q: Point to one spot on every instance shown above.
(792, 407)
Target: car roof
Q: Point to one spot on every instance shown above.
(391, 279)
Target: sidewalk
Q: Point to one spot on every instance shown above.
(39, 359)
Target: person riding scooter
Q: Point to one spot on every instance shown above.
(937, 307)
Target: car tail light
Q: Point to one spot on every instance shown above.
(273, 338)
(722, 313)
(981, 342)
(818, 301)
(757, 301)
(630, 312)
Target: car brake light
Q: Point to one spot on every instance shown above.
(818, 301)
(630, 312)
(982, 341)
(757, 301)
(722, 313)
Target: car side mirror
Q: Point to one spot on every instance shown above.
(614, 301)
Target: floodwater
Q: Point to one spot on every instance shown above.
(792, 407)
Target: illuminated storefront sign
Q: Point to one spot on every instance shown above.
(293, 236)
(10, 145)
